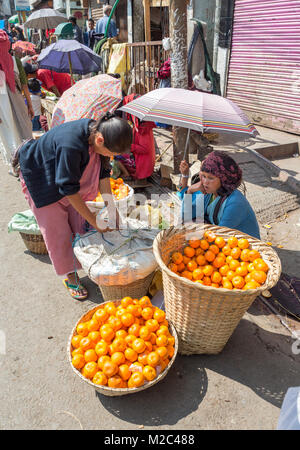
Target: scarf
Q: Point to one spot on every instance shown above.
(6, 61)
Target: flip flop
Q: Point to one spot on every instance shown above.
(75, 287)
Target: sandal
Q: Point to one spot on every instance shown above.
(80, 291)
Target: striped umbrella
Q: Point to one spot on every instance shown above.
(195, 110)
(88, 98)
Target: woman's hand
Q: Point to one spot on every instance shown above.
(184, 168)
(196, 187)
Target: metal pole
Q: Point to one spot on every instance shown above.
(179, 68)
(216, 34)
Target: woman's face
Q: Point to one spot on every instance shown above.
(99, 146)
(210, 183)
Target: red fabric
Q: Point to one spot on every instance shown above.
(165, 70)
(133, 119)
(143, 149)
(49, 79)
(6, 61)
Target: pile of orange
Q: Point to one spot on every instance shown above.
(119, 190)
(123, 345)
(214, 261)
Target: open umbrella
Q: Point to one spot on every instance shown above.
(45, 19)
(88, 98)
(68, 55)
(24, 47)
(14, 19)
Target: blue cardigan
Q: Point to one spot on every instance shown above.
(235, 212)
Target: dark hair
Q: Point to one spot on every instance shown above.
(117, 133)
(29, 68)
(72, 19)
(91, 20)
(34, 85)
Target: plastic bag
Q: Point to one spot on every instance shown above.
(289, 418)
(24, 222)
(117, 257)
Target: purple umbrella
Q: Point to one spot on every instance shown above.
(69, 56)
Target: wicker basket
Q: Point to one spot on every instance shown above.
(114, 392)
(135, 290)
(35, 243)
(205, 317)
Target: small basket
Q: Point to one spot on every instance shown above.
(135, 290)
(35, 243)
(205, 317)
(114, 392)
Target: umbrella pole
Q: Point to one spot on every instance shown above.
(70, 67)
(185, 152)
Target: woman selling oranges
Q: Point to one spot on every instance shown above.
(216, 195)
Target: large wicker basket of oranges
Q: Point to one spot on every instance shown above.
(123, 347)
(211, 276)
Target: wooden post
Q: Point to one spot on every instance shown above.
(147, 26)
(179, 69)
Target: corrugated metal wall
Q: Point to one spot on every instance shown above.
(264, 68)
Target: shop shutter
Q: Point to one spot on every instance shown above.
(264, 67)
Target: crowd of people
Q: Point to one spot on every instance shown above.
(68, 164)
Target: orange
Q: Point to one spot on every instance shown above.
(134, 330)
(171, 340)
(94, 336)
(177, 257)
(110, 368)
(121, 334)
(90, 355)
(136, 380)
(142, 358)
(206, 281)
(209, 236)
(226, 250)
(191, 266)
(216, 277)
(147, 313)
(124, 372)
(139, 345)
(114, 381)
(229, 258)
(130, 354)
(82, 329)
(78, 361)
(152, 324)
(115, 323)
(198, 274)
(135, 310)
(136, 367)
(243, 243)
(90, 369)
(127, 319)
(110, 308)
(251, 285)
(230, 274)
(259, 276)
(214, 248)
(118, 358)
(149, 346)
(260, 264)
(120, 311)
(238, 282)
(180, 267)
(93, 325)
(100, 379)
(173, 267)
(76, 340)
(119, 181)
(145, 300)
(107, 332)
(227, 284)
(232, 241)
(219, 261)
(119, 345)
(186, 259)
(224, 270)
(251, 267)
(189, 251)
(159, 315)
(101, 360)
(162, 352)
(162, 341)
(242, 271)
(153, 359)
(248, 278)
(77, 351)
(208, 270)
(234, 264)
(101, 348)
(199, 251)
(201, 260)
(245, 255)
(163, 329)
(194, 243)
(145, 333)
(215, 285)
(126, 301)
(149, 373)
(101, 315)
(253, 254)
(210, 256)
(235, 252)
(86, 343)
(220, 242)
(187, 274)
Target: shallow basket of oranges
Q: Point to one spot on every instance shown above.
(121, 191)
(211, 276)
(123, 347)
